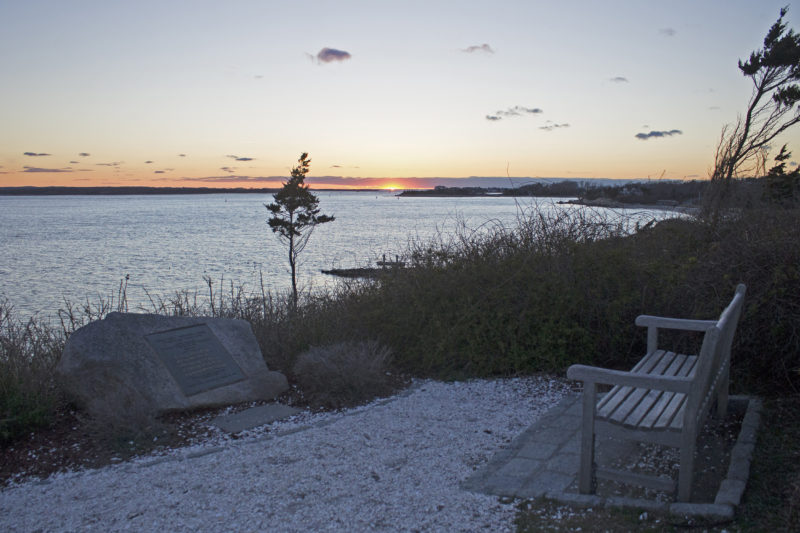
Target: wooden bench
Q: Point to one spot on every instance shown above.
(664, 399)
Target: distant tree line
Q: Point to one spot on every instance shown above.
(123, 190)
(650, 192)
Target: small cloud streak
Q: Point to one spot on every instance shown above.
(147, 162)
(328, 55)
(516, 111)
(114, 164)
(483, 48)
(35, 154)
(37, 169)
(553, 126)
(618, 79)
(658, 134)
(84, 154)
(181, 155)
(237, 158)
(667, 32)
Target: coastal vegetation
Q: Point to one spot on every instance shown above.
(560, 287)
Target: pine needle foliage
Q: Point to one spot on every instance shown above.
(295, 213)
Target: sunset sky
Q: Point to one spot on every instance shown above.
(228, 94)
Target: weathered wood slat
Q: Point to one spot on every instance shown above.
(633, 400)
(617, 395)
(650, 420)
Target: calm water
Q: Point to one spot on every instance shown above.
(57, 248)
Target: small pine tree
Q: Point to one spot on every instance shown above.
(295, 214)
(781, 187)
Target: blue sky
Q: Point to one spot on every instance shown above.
(202, 93)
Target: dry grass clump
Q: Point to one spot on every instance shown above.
(344, 374)
(28, 355)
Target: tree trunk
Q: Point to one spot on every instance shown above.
(292, 264)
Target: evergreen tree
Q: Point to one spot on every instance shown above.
(775, 72)
(295, 214)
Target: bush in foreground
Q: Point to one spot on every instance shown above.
(28, 354)
(344, 374)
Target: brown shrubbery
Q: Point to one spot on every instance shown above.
(344, 374)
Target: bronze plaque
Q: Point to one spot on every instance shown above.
(195, 358)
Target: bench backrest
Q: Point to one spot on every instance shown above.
(715, 355)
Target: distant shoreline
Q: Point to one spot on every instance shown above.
(130, 191)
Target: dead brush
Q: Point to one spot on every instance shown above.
(344, 374)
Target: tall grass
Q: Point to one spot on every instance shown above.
(28, 354)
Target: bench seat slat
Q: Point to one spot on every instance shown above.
(640, 408)
(663, 366)
(619, 394)
(669, 407)
(654, 400)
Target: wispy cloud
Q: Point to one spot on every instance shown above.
(159, 172)
(667, 32)
(618, 79)
(229, 170)
(35, 154)
(237, 158)
(147, 162)
(550, 126)
(658, 134)
(482, 48)
(37, 169)
(84, 154)
(112, 164)
(181, 155)
(516, 111)
(328, 55)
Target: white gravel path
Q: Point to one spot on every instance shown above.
(393, 465)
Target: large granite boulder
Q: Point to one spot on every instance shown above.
(156, 363)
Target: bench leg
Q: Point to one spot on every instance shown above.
(586, 483)
(686, 471)
(722, 395)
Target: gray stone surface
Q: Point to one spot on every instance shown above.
(195, 358)
(110, 366)
(254, 417)
(543, 460)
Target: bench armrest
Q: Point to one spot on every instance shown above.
(654, 323)
(674, 323)
(593, 374)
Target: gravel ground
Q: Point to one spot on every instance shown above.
(392, 465)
